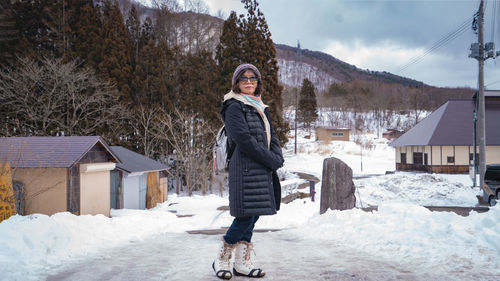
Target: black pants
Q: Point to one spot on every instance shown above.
(241, 230)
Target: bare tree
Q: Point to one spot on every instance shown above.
(144, 122)
(192, 141)
(52, 97)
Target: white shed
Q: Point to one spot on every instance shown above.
(135, 178)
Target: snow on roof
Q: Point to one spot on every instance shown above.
(135, 162)
(333, 128)
(47, 152)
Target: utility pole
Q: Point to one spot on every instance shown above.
(481, 52)
(297, 99)
(481, 115)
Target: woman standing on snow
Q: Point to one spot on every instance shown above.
(254, 187)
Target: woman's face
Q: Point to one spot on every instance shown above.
(248, 82)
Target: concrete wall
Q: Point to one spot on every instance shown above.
(327, 135)
(45, 189)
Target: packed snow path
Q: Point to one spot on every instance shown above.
(182, 256)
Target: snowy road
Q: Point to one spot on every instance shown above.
(167, 257)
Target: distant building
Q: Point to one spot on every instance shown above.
(59, 174)
(326, 133)
(443, 141)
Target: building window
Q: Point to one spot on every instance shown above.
(451, 159)
(337, 134)
(471, 156)
(403, 158)
(418, 158)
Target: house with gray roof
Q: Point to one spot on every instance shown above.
(136, 181)
(59, 174)
(443, 141)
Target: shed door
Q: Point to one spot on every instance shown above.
(143, 187)
(116, 194)
(94, 193)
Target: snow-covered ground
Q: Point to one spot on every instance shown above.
(412, 242)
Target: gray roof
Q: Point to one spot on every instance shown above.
(47, 152)
(134, 162)
(452, 124)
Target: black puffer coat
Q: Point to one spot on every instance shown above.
(254, 187)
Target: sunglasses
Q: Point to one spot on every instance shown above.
(251, 79)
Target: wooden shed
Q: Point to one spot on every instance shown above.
(59, 174)
(136, 182)
(328, 133)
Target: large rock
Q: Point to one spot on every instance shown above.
(337, 187)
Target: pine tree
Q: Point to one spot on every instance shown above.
(133, 24)
(259, 49)
(307, 111)
(42, 28)
(228, 52)
(115, 64)
(247, 39)
(86, 39)
(148, 83)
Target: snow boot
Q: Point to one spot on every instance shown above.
(222, 263)
(243, 261)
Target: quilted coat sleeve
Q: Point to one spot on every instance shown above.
(275, 144)
(237, 128)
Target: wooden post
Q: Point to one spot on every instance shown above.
(337, 187)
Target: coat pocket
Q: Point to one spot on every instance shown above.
(245, 165)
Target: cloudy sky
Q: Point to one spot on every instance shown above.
(387, 35)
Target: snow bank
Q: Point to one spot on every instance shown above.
(414, 235)
(28, 244)
(416, 188)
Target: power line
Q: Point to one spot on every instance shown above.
(441, 42)
(493, 20)
(492, 83)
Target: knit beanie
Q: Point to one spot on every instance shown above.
(241, 68)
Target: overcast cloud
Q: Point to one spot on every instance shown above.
(385, 35)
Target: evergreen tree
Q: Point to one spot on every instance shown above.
(115, 64)
(148, 83)
(199, 96)
(258, 48)
(228, 52)
(247, 39)
(86, 39)
(133, 24)
(42, 27)
(147, 32)
(307, 111)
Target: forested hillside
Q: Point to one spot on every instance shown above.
(152, 78)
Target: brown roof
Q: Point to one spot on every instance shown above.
(452, 124)
(47, 152)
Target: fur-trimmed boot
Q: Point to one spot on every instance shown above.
(222, 263)
(243, 261)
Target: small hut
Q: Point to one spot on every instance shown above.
(327, 133)
(59, 174)
(136, 182)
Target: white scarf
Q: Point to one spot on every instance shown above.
(258, 105)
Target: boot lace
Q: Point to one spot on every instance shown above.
(247, 255)
(225, 255)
